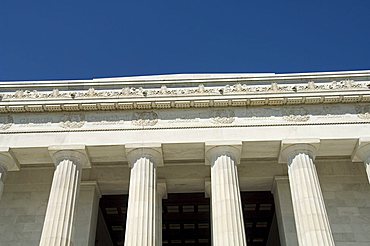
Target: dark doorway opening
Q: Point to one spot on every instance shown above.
(258, 212)
(186, 219)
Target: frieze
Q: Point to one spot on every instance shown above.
(187, 118)
(35, 120)
(237, 88)
(72, 121)
(107, 119)
(146, 118)
(296, 114)
(184, 120)
(297, 118)
(6, 121)
(222, 116)
(364, 116)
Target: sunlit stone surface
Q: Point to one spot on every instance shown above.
(129, 136)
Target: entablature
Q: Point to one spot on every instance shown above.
(185, 91)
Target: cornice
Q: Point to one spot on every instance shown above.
(346, 91)
(181, 91)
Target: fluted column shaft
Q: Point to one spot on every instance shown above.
(141, 213)
(313, 227)
(227, 215)
(61, 208)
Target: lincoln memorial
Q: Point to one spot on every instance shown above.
(182, 160)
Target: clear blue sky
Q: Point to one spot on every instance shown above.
(50, 39)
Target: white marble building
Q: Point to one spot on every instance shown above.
(303, 138)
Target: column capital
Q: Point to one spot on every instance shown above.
(291, 147)
(362, 150)
(153, 151)
(216, 149)
(162, 188)
(75, 153)
(7, 161)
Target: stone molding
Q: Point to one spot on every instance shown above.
(291, 147)
(215, 149)
(152, 151)
(76, 153)
(164, 103)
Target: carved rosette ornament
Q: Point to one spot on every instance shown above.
(6, 122)
(147, 118)
(72, 121)
(222, 116)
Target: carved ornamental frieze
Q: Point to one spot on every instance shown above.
(6, 122)
(185, 101)
(186, 118)
(364, 116)
(202, 95)
(222, 116)
(149, 118)
(72, 121)
(237, 88)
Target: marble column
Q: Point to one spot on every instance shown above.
(362, 153)
(142, 215)
(7, 163)
(61, 208)
(227, 215)
(311, 219)
(161, 194)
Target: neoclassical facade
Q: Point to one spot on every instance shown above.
(201, 159)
